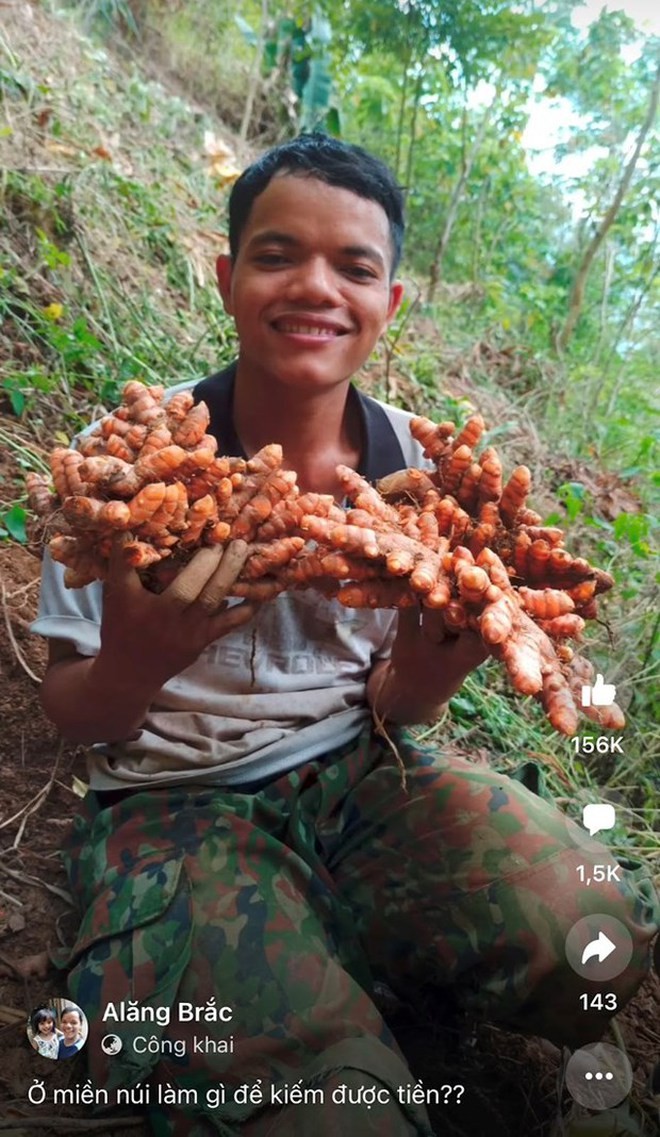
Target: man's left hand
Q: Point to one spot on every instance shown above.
(428, 664)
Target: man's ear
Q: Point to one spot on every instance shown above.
(396, 296)
(223, 271)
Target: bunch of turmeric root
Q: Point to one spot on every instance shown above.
(454, 537)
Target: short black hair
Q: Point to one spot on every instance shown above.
(72, 1011)
(339, 164)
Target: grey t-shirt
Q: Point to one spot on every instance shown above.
(277, 692)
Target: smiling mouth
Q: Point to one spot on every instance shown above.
(299, 328)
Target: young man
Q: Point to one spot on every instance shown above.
(248, 862)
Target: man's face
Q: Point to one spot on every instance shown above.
(310, 288)
(70, 1026)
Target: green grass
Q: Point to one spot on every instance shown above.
(121, 244)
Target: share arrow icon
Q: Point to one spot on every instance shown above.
(602, 948)
(598, 947)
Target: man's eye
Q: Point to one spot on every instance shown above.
(271, 260)
(360, 272)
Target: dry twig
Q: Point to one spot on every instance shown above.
(35, 803)
(9, 899)
(12, 638)
(11, 1016)
(23, 588)
(26, 878)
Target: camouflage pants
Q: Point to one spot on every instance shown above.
(284, 904)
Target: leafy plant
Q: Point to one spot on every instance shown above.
(299, 49)
(23, 388)
(108, 15)
(12, 524)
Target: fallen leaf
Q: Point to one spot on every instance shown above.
(44, 115)
(225, 172)
(223, 165)
(215, 147)
(61, 148)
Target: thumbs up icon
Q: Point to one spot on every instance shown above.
(602, 694)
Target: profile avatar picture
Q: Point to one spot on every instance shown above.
(57, 1028)
(111, 1044)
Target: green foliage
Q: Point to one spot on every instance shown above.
(38, 202)
(300, 48)
(13, 85)
(313, 81)
(469, 35)
(573, 496)
(52, 256)
(108, 15)
(12, 524)
(594, 72)
(636, 529)
(23, 388)
(126, 292)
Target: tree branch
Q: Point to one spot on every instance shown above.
(577, 292)
(458, 193)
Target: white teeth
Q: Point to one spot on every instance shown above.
(307, 330)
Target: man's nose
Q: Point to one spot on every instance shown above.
(314, 281)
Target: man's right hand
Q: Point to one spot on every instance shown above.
(146, 639)
(154, 637)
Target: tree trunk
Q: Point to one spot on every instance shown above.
(458, 193)
(577, 292)
(402, 111)
(476, 239)
(607, 284)
(254, 76)
(413, 127)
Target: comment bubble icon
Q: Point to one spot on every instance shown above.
(597, 816)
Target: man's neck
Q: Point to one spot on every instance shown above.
(316, 430)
